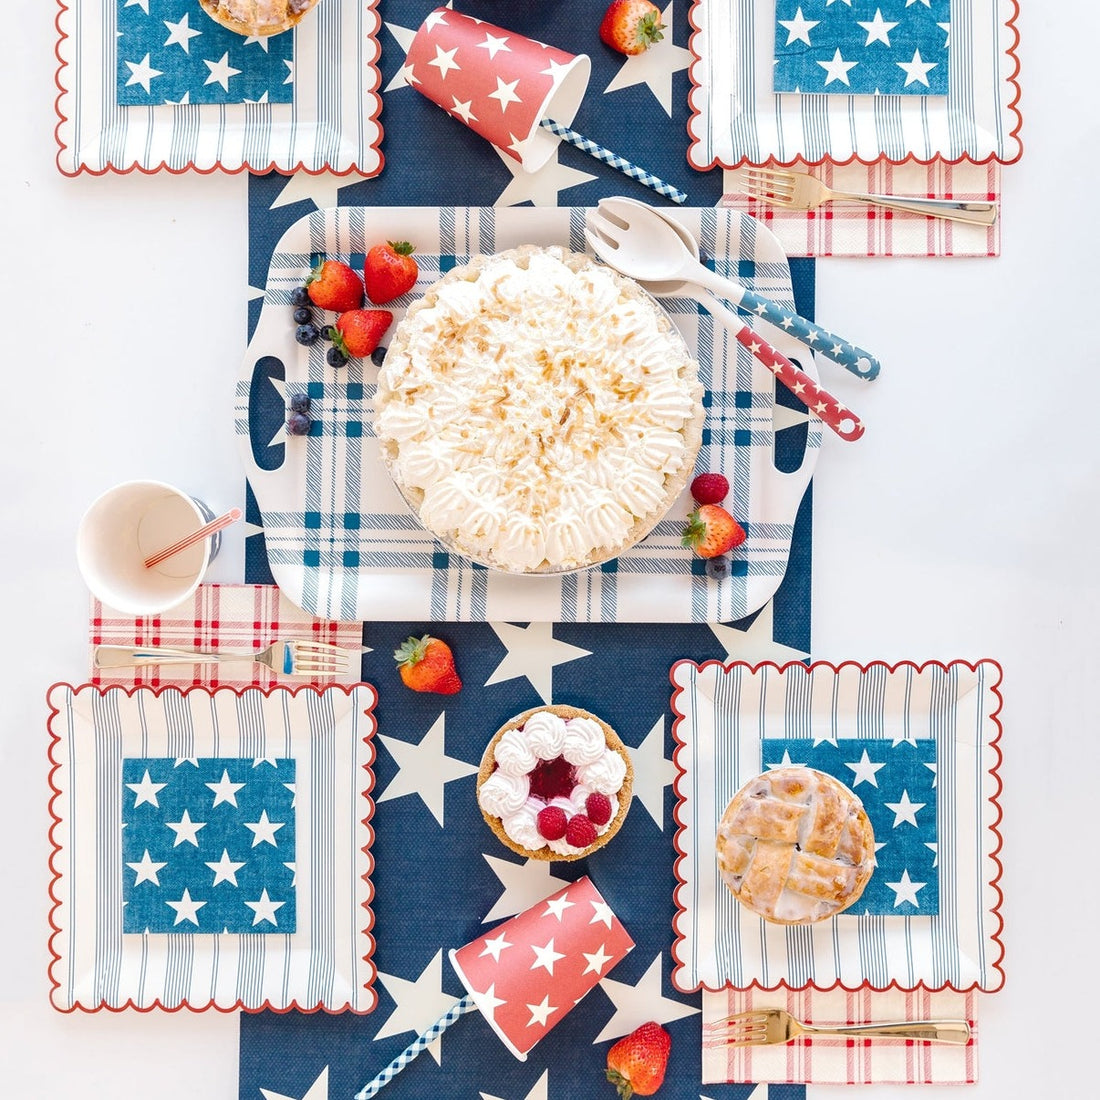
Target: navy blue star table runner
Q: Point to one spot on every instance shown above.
(441, 878)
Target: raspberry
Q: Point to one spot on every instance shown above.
(553, 779)
(580, 832)
(710, 489)
(552, 823)
(598, 808)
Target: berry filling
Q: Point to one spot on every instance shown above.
(553, 779)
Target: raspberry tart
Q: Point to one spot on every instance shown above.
(795, 846)
(555, 783)
(539, 412)
(257, 17)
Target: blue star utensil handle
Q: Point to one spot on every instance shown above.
(421, 1042)
(861, 363)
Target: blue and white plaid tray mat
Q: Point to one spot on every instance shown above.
(738, 118)
(726, 712)
(342, 543)
(325, 962)
(171, 51)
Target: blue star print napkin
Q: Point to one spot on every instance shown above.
(862, 47)
(208, 845)
(171, 51)
(897, 784)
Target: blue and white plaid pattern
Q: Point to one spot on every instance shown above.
(862, 47)
(332, 122)
(739, 118)
(728, 711)
(325, 961)
(896, 782)
(171, 51)
(341, 542)
(208, 845)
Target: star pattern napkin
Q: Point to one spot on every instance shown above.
(208, 845)
(896, 781)
(171, 51)
(855, 47)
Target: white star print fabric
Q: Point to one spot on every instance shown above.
(728, 712)
(223, 814)
(862, 47)
(171, 51)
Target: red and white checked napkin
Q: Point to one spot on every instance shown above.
(836, 1061)
(857, 229)
(217, 617)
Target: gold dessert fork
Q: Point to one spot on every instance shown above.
(767, 1026)
(289, 657)
(801, 191)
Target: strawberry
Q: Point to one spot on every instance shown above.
(711, 531)
(552, 822)
(359, 331)
(636, 1064)
(710, 489)
(580, 832)
(631, 26)
(333, 285)
(598, 808)
(427, 664)
(389, 271)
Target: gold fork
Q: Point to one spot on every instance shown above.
(767, 1026)
(801, 191)
(287, 658)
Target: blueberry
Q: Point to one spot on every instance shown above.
(299, 402)
(298, 424)
(299, 296)
(306, 334)
(303, 315)
(335, 357)
(717, 568)
(328, 332)
(378, 356)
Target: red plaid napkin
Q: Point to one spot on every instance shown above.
(217, 617)
(837, 1061)
(857, 229)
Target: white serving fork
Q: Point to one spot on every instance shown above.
(768, 1026)
(288, 657)
(801, 191)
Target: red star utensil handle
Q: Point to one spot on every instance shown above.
(820, 402)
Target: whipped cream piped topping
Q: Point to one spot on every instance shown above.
(538, 410)
(546, 737)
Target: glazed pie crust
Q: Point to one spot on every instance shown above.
(257, 17)
(795, 846)
(613, 741)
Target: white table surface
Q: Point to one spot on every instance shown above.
(964, 524)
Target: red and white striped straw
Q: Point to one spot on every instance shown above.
(203, 532)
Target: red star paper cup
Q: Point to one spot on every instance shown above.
(500, 84)
(527, 973)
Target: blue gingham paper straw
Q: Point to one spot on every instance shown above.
(460, 1008)
(621, 163)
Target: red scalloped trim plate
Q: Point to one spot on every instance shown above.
(681, 855)
(56, 847)
(697, 87)
(191, 166)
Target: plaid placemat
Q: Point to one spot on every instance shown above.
(342, 543)
(724, 712)
(837, 1061)
(218, 617)
(171, 51)
(857, 229)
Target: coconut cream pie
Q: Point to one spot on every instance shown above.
(257, 17)
(538, 410)
(795, 846)
(555, 783)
